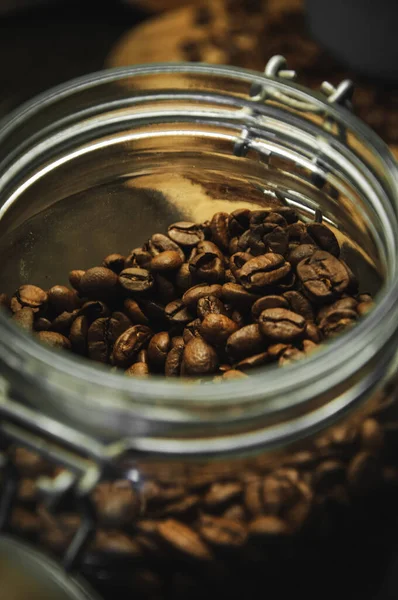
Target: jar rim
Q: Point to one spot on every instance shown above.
(345, 354)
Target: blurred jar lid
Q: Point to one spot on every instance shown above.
(26, 574)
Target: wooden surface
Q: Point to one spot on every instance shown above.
(212, 32)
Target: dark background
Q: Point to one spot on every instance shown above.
(45, 45)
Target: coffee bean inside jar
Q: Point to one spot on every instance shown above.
(283, 294)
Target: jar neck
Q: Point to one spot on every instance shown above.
(175, 112)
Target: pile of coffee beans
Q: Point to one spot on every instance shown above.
(218, 298)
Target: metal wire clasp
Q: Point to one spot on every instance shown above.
(276, 68)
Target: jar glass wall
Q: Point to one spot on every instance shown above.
(218, 475)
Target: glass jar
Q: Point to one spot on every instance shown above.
(168, 488)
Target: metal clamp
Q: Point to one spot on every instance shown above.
(276, 68)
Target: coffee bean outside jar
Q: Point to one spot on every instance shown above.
(196, 521)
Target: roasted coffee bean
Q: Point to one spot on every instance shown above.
(281, 325)
(364, 307)
(54, 340)
(229, 277)
(209, 305)
(192, 330)
(238, 222)
(210, 248)
(233, 374)
(276, 350)
(219, 230)
(237, 261)
(238, 296)
(186, 234)
(177, 312)
(138, 369)
(295, 232)
(371, 435)
(218, 531)
(309, 346)
(216, 329)
(134, 312)
(75, 278)
(252, 362)
(94, 309)
(63, 322)
(263, 272)
(299, 304)
(301, 252)
(173, 363)
(284, 353)
(199, 358)
(62, 299)
(138, 258)
(158, 349)
(24, 318)
(252, 241)
(116, 503)
(166, 261)
(313, 333)
(323, 276)
(42, 324)
(208, 267)
(29, 296)
(270, 301)
(233, 246)
(102, 335)
(129, 344)
(115, 542)
(279, 490)
(185, 509)
(337, 321)
(78, 335)
(221, 493)
(275, 239)
(162, 243)
(289, 355)
(324, 238)
(245, 342)
(364, 298)
(177, 342)
(114, 262)
(184, 278)
(136, 280)
(184, 539)
(276, 218)
(154, 311)
(98, 283)
(193, 295)
(347, 303)
(268, 527)
(142, 356)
